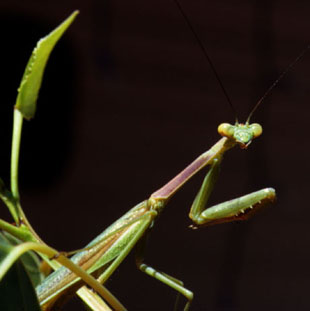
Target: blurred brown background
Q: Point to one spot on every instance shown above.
(128, 101)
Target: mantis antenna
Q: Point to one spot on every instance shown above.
(202, 47)
(291, 65)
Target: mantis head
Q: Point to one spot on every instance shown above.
(242, 134)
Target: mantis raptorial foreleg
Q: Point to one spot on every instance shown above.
(240, 208)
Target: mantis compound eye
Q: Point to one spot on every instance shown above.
(226, 130)
(256, 129)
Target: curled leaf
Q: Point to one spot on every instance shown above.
(16, 288)
(32, 78)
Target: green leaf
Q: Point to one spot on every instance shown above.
(30, 261)
(16, 289)
(32, 78)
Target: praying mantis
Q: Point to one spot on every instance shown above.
(108, 250)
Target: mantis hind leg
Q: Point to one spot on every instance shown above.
(161, 276)
(237, 209)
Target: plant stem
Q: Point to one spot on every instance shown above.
(16, 138)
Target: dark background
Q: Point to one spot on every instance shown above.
(128, 101)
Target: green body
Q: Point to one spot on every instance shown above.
(63, 278)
